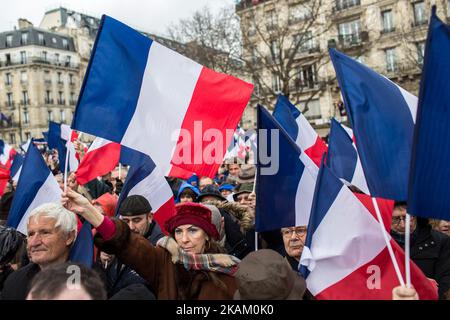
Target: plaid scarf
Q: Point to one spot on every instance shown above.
(217, 262)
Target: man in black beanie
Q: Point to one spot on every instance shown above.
(135, 211)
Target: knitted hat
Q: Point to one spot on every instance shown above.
(210, 190)
(246, 173)
(134, 205)
(195, 214)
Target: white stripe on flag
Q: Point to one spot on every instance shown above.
(49, 192)
(154, 188)
(305, 191)
(411, 101)
(358, 178)
(337, 241)
(306, 137)
(161, 76)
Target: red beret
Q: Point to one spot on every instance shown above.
(195, 214)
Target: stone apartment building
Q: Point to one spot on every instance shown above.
(39, 80)
(387, 35)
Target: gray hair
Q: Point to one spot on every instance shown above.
(65, 219)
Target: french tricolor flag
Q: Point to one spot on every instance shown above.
(345, 255)
(61, 137)
(16, 167)
(285, 186)
(299, 129)
(343, 158)
(147, 97)
(36, 186)
(7, 153)
(102, 157)
(147, 180)
(382, 116)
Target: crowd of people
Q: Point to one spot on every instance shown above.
(206, 250)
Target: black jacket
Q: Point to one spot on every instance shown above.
(119, 277)
(18, 283)
(236, 243)
(430, 251)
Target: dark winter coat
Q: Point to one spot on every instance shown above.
(18, 283)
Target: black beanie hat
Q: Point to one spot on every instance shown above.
(134, 205)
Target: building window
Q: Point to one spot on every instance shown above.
(313, 111)
(448, 8)
(23, 77)
(306, 77)
(271, 19)
(298, 13)
(44, 56)
(344, 4)
(276, 83)
(59, 78)
(305, 41)
(65, 43)
(420, 16)
(41, 41)
(420, 52)
(9, 38)
(27, 136)
(9, 99)
(47, 77)
(275, 50)
(25, 99)
(251, 31)
(26, 117)
(23, 57)
(61, 98)
(8, 79)
(24, 38)
(71, 78)
(48, 97)
(49, 115)
(391, 60)
(350, 32)
(57, 58)
(62, 115)
(12, 138)
(388, 21)
(68, 58)
(72, 98)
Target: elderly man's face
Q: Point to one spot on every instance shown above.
(294, 240)
(47, 244)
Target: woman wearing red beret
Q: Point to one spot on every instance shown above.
(188, 264)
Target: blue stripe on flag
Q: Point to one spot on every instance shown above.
(275, 204)
(113, 81)
(382, 124)
(342, 156)
(430, 176)
(286, 113)
(83, 248)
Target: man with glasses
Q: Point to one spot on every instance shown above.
(430, 249)
(294, 240)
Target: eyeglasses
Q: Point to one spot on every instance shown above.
(289, 232)
(396, 220)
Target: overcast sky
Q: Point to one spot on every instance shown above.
(147, 15)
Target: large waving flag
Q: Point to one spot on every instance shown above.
(7, 154)
(102, 157)
(36, 186)
(61, 137)
(345, 255)
(147, 97)
(146, 179)
(343, 158)
(430, 177)
(382, 115)
(299, 129)
(285, 195)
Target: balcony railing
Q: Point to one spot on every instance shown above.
(355, 39)
(345, 4)
(25, 102)
(48, 101)
(418, 23)
(40, 60)
(10, 105)
(72, 102)
(61, 102)
(387, 30)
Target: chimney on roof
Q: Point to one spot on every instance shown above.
(24, 23)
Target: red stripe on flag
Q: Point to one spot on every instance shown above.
(98, 162)
(177, 172)
(376, 279)
(386, 207)
(218, 101)
(165, 212)
(316, 151)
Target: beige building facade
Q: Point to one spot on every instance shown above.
(387, 35)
